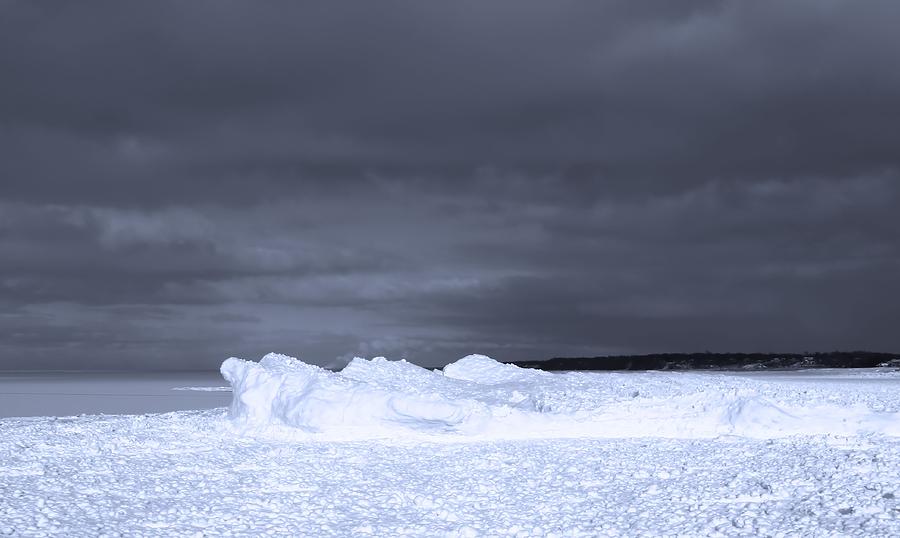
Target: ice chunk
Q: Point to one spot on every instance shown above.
(281, 389)
(478, 396)
(485, 370)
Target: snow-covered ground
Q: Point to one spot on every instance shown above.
(387, 449)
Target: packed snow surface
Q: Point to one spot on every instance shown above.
(477, 396)
(386, 448)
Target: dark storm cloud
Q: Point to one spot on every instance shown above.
(603, 94)
(181, 181)
(110, 256)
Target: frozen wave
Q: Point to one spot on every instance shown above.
(284, 390)
(479, 397)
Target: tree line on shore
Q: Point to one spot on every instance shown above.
(719, 361)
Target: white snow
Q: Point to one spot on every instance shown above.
(283, 389)
(385, 448)
(479, 397)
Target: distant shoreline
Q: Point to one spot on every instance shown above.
(719, 361)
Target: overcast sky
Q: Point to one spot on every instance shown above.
(185, 181)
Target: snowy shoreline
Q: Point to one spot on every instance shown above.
(189, 474)
(216, 473)
(479, 397)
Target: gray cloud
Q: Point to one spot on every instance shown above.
(180, 182)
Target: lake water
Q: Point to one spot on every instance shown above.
(25, 394)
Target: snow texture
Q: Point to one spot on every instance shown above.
(386, 448)
(479, 397)
(190, 473)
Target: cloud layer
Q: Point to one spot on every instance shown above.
(184, 181)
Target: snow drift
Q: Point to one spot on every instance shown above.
(479, 397)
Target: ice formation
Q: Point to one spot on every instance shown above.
(192, 473)
(478, 396)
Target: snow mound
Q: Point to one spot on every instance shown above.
(284, 390)
(485, 370)
(480, 397)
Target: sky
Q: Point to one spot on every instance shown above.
(181, 182)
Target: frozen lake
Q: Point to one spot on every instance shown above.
(28, 394)
(31, 394)
(389, 449)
